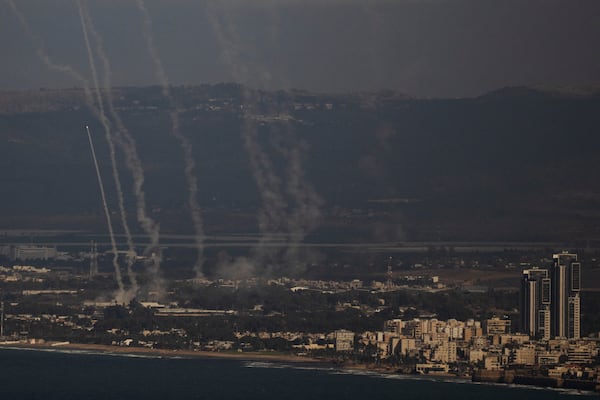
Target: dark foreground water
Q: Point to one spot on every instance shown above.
(27, 374)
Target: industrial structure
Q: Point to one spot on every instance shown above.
(2, 319)
(93, 260)
(389, 275)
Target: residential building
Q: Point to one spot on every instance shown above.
(344, 340)
(497, 326)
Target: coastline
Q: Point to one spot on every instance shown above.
(389, 370)
(241, 356)
(86, 348)
(166, 353)
(352, 368)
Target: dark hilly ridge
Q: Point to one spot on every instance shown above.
(515, 164)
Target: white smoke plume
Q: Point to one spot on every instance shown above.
(96, 109)
(305, 215)
(271, 216)
(127, 144)
(292, 208)
(86, 27)
(43, 55)
(188, 158)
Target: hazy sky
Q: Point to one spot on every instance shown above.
(420, 47)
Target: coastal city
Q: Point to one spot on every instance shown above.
(316, 199)
(531, 334)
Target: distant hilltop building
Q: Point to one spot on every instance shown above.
(550, 301)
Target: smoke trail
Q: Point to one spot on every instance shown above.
(301, 215)
(109, 140)
(271, 216)
(188, 159)
(308, 203)
(305, 211)
(127, 144)
(97, 111)
(107, 214)
(42, 53)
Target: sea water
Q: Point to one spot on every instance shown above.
(57, 374)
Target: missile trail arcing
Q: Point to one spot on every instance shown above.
(125, 141)
(127, 144)
(96, 110)
(107, 214)
(108, 135)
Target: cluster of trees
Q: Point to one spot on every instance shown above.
(279, 310)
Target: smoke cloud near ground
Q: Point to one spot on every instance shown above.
(235, 268)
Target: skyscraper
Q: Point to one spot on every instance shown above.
(565, 300)
(535, 303)
(550, 303)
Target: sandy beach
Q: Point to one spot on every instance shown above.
(243, 356)
(100, 348)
